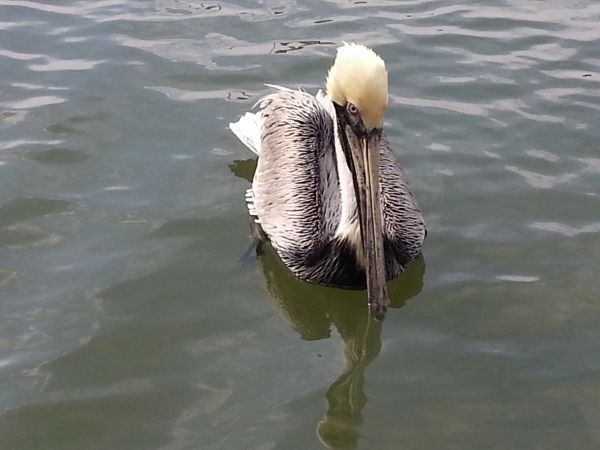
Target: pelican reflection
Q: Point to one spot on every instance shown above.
(313, 310)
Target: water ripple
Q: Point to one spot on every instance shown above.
(19, 56)
(34, 102)
(191, 96)
(57, 65)
(541, 181)
(81, 9)
(566, 230)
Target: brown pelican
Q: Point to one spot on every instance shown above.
(327, 192)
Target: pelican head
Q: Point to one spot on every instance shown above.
(358, 87)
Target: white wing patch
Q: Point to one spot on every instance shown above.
(248, 130)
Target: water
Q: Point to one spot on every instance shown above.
(126, 320)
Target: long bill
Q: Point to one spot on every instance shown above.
(365, 156)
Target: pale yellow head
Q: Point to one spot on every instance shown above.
(358, 76)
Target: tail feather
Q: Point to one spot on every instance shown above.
(248, 130)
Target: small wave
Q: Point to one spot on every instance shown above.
(518, 278)
(564, 229)
(34, 102)
(192, 96)
(540, 181)
(58, 65)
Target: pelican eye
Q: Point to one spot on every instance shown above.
(352, 109)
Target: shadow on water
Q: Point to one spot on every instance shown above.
(312, 310)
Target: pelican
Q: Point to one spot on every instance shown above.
(328, 193)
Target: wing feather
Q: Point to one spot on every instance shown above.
(404, 225)
(295, 183)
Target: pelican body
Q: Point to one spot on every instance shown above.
(328, 193)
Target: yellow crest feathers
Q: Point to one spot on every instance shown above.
(358, 75)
